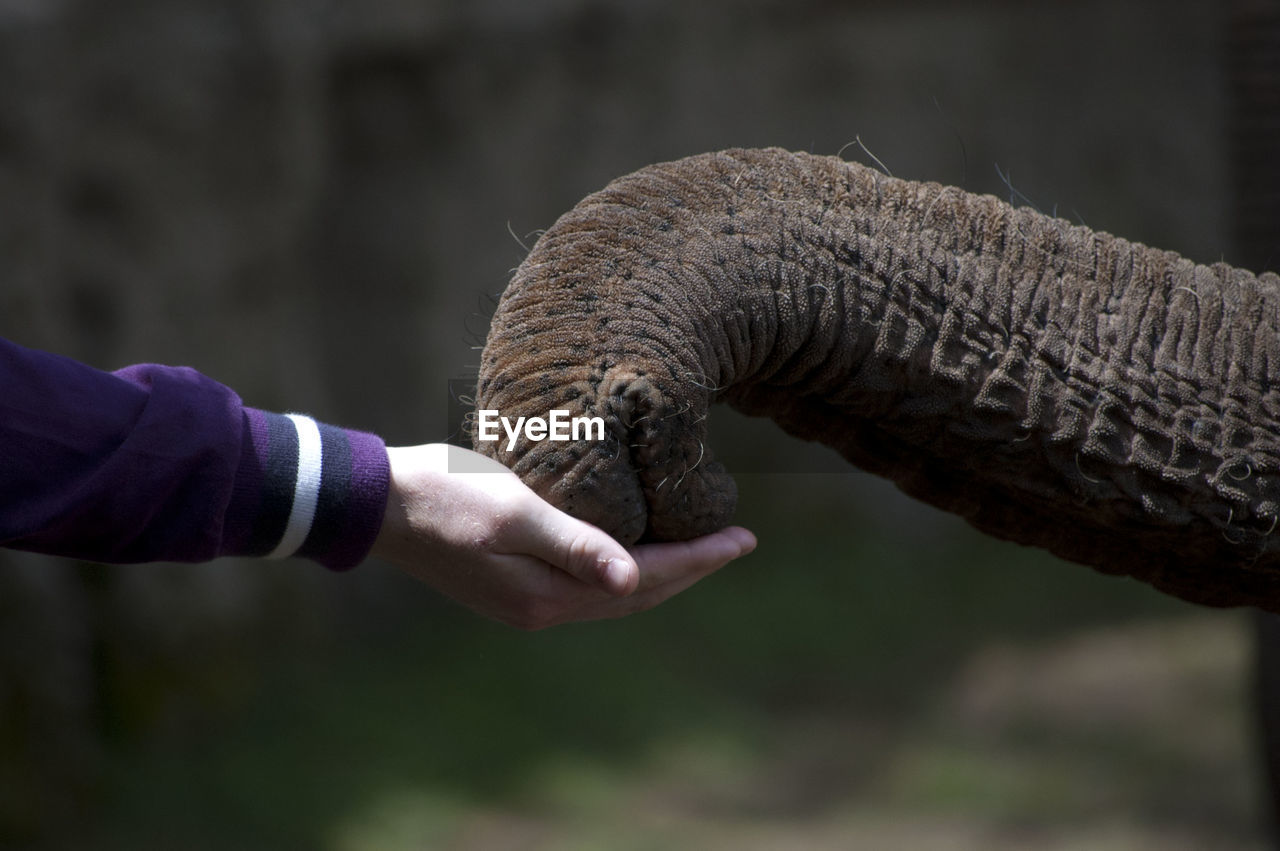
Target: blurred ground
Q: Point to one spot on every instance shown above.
(1028, 747)
(758, 711)
(315, 202)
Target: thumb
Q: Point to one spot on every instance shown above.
(583, 551)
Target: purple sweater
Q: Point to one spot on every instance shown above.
(157, 463)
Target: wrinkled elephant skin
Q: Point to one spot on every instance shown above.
(1060, 387)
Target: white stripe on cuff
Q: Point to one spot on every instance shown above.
(306, 492)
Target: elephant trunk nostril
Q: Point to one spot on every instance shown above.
(645, 470)
(686, 492)
(579, 462)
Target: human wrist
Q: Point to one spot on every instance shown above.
(395, 532)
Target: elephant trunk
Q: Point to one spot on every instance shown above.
(1055, 386)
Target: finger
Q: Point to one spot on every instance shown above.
(578, 548)
(663, 563)
(708, 560)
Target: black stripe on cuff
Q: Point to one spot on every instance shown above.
(280, 481)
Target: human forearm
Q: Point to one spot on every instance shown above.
(162, 463)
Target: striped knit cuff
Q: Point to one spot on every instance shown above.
(308, 489)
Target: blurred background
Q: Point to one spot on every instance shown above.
(318, 202)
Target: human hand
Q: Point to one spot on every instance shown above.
(488, 541)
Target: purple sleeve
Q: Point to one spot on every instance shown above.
(156, 463)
